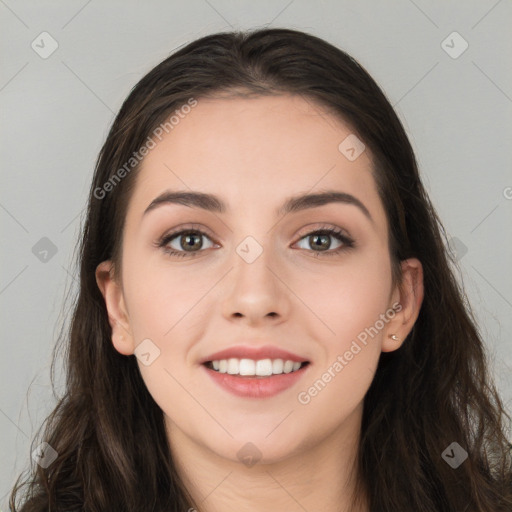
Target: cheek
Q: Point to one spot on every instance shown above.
(331, 305)
(350, 304)
(351, 296)
(347, 297)
(159, 295)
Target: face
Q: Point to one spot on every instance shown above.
(259, 281)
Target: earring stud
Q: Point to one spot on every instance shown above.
(394, 337)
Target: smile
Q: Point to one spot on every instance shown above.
(251, 367)
(251, 378)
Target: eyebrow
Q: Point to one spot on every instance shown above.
(212, 203)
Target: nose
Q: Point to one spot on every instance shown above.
(256, 291)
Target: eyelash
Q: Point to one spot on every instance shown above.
(348, 243)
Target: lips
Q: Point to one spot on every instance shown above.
(233, 369)
(255, 387)
(255, 353)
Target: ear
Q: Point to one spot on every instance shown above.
(407, 298)
(112, 292)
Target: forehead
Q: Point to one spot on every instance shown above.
(254, 152)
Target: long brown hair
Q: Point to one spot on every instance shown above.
(109, 433)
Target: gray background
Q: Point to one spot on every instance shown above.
(56, 112)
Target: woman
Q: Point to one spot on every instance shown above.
(267, 317)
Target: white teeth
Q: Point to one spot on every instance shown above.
(247, 367)
(264, 367)
(277, 366)
(233, 366)
(260, 368)
(288, 366)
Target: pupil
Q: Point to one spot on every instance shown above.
(325, 238)
(187, 240)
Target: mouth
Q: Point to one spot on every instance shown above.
(251, 369)
(255, 379)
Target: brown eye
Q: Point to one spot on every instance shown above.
(320, 241)
(190, 241)
(184, 243)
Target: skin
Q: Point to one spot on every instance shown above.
(254, 154)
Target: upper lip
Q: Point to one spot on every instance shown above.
(256, 353)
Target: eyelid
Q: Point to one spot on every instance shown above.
(189, 227)
(307, 230)
(313, 228)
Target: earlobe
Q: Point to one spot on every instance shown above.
(410, 297)
(117, 314)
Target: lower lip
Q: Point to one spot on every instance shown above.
(256, 387)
